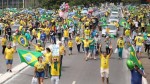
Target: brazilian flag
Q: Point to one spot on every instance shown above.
(22, 40)
(29, 57)
(133, 60)
(124, 23)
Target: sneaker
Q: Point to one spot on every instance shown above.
(7, 70)
(10, 70)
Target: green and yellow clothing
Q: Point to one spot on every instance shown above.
(9, 53)
(104, 61)
(40, 66)
(139, 40)
(55, 69)
(120, 43)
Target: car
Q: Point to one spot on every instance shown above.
(114, 14)
(113, 30)
(113, 19)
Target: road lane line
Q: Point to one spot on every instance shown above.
(1, 74)
(74, 82)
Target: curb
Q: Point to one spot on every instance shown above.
(8, 75)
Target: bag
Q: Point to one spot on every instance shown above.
(34, 80)
(116, 50)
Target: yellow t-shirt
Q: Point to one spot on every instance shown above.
(87, 32)
(127, 32)
(47, 31)
(61, 50)
(87, 43)
(78, 40)
(9, 53)
(14, 39)
(34, 32)
(139, 40)
(40, 66)
(55, 72)
(20, 28)
(47, 57)
(120, 43)
(142, 24)
(3, 41)
(39, 49)
(70, 44)
(38, 35)
(104, 61)
(66, 33)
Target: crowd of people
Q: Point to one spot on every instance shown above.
(80, 31)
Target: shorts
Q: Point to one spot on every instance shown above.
(70, 48)
(40, 74)
(92, 51)
(86, 49)
(66, 39)
(138, 48)
(104, 73)
(9, 61)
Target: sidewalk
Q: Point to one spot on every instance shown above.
(146, 64)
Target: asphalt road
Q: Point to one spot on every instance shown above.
(78, 71)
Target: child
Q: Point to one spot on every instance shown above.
(70, 45)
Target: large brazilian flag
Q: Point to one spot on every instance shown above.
(29, 57)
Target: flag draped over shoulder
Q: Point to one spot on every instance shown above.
(22, 40)
(29, 57)
(134, 58)
(124, 23)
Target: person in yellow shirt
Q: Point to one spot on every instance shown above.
(66, 36)
(48, 58)
(14, 38)
(70, 45)
(39, 70)
(9, 51)
(86, 43)
(37, 47)
(3, 43)
(34, 35)
(120, 46)
(55, 70)
(47, 32)
(142, 26)
(139, 43)
(104, 65)
(87, 32)
(107, 31)
(62, 52)
(78, 42)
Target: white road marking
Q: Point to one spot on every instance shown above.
(1, 74)
(144, 81)
(74, 82)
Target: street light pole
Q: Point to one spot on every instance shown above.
(23, 3)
